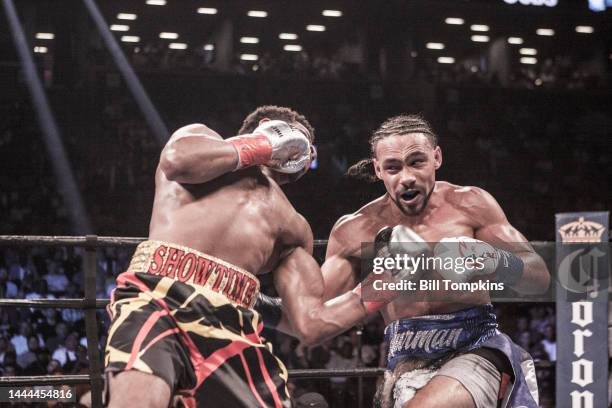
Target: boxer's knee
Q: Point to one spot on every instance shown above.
(442, 392)
(478, 375)
(137, 389)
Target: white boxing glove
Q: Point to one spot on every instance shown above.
(401, 240)
(276, 144)
(462, 258)
(389, 243)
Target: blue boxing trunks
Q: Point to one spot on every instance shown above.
(465, 345)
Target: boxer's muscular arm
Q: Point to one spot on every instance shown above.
(493, 227)
(341, 267)
(196, 154)
(300, 284)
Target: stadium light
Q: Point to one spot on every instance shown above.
(528, 51)
(177, 46)
(585, 29)
(515, 40)
(126, 16)
(292, 47)
(315, 27)
(249, 40)
(209, 47)
(207, 10)
(40, 50)
(529, 60)
(119, 27)
(434, 46)
(257, 13)
(479, 27)
(156, 2)
(45, 36)
(446, 60)
(547, 32)
(168, 36)
(288, 36)
(454, 21)
(130, 39)
(480, 38)
(332, 13)
(249, 57)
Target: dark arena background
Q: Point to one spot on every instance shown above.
(518, 91)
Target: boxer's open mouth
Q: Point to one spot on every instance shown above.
(409, 195)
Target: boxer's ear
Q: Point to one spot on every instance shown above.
(264, 120)
(377, 169)
(438, 157)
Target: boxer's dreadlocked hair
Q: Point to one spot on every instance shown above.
(397, 125)
(275, 113)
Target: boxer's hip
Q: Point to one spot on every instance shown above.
(177, 273)
(186, 317)
(437, 337)
(452, 345)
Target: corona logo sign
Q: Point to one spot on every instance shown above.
(581, 231)
(582, 305)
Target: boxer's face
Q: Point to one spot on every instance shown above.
(407, 165)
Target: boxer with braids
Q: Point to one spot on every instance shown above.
(443, 346)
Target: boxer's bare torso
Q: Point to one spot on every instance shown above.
(243, 218)
(452, 211)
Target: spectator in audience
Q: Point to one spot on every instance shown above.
(10, 360)
(17, 273)
(341, 358)
(27, 358)
(8, 289)
(72, 316)
(10, 371)
(549, 342)
(61, 332)
(4, 347)
(524, 340)
(539, 320)
(20, 341)
(47, 323)
(66, 353)
(39, 291)
(54, 367)
(55, 278)
(37, 367)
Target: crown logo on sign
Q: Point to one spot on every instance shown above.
(581, 231)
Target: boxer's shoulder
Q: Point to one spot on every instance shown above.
(194, 129)
(474, 202)
(463, 196)
(360, 226)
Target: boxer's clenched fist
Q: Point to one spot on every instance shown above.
(474, 258)
(401, 240)
(276, 144)
(391, 242)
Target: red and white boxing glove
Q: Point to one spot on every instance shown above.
(275, 144)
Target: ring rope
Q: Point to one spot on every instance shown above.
(86, 241)
(85, 378)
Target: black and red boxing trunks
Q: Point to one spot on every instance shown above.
(187, 318)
